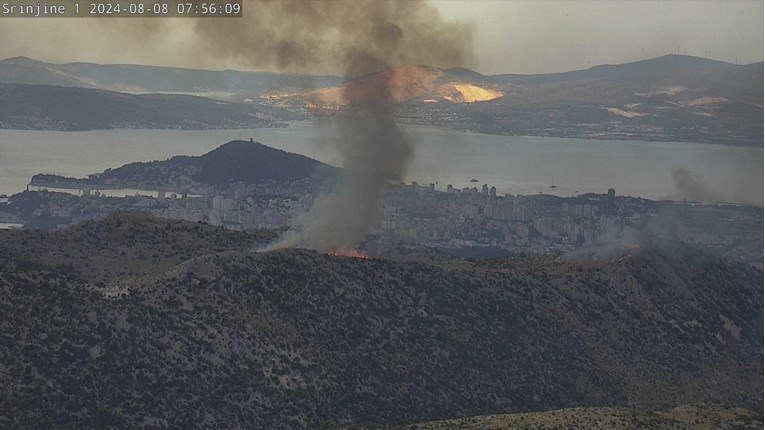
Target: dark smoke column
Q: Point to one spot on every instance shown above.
(358, 38)
(374, 151)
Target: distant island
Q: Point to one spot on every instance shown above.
(234, 162)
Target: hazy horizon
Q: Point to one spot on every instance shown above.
(212, 69)
(551, 36)
(507, 36)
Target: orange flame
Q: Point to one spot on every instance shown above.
(349, 254)
(630, 247)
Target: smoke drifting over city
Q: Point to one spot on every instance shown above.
(358, 38)
(363, 37)
(353, 38)
(691, 185)
(374, 151)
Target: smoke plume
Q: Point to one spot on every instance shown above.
(353, 38)
(611, 244)
(363, 37)
(374, 151)
(692, 186)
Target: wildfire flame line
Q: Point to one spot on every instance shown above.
(349, 254)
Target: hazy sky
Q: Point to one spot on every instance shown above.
(559, 35)
(510, 36)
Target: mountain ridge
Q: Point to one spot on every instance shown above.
(663, 64)
(298, 339)
(147, 78)
(672, 98)
(46, 107)
(676, 60)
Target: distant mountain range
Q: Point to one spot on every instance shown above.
(670, 98)
(44, 107)
(141, 79)
(133, 321)
(235, 161)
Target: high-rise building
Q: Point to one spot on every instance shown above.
(610, 207)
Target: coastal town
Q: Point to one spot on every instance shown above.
(471, 221)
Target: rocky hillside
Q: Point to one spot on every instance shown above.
(124, 245)
(296, 339)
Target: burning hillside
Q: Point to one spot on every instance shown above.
(459, 92)
(392, 86)
(401, 85)
(349, 254)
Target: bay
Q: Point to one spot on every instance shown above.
(513, 164)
